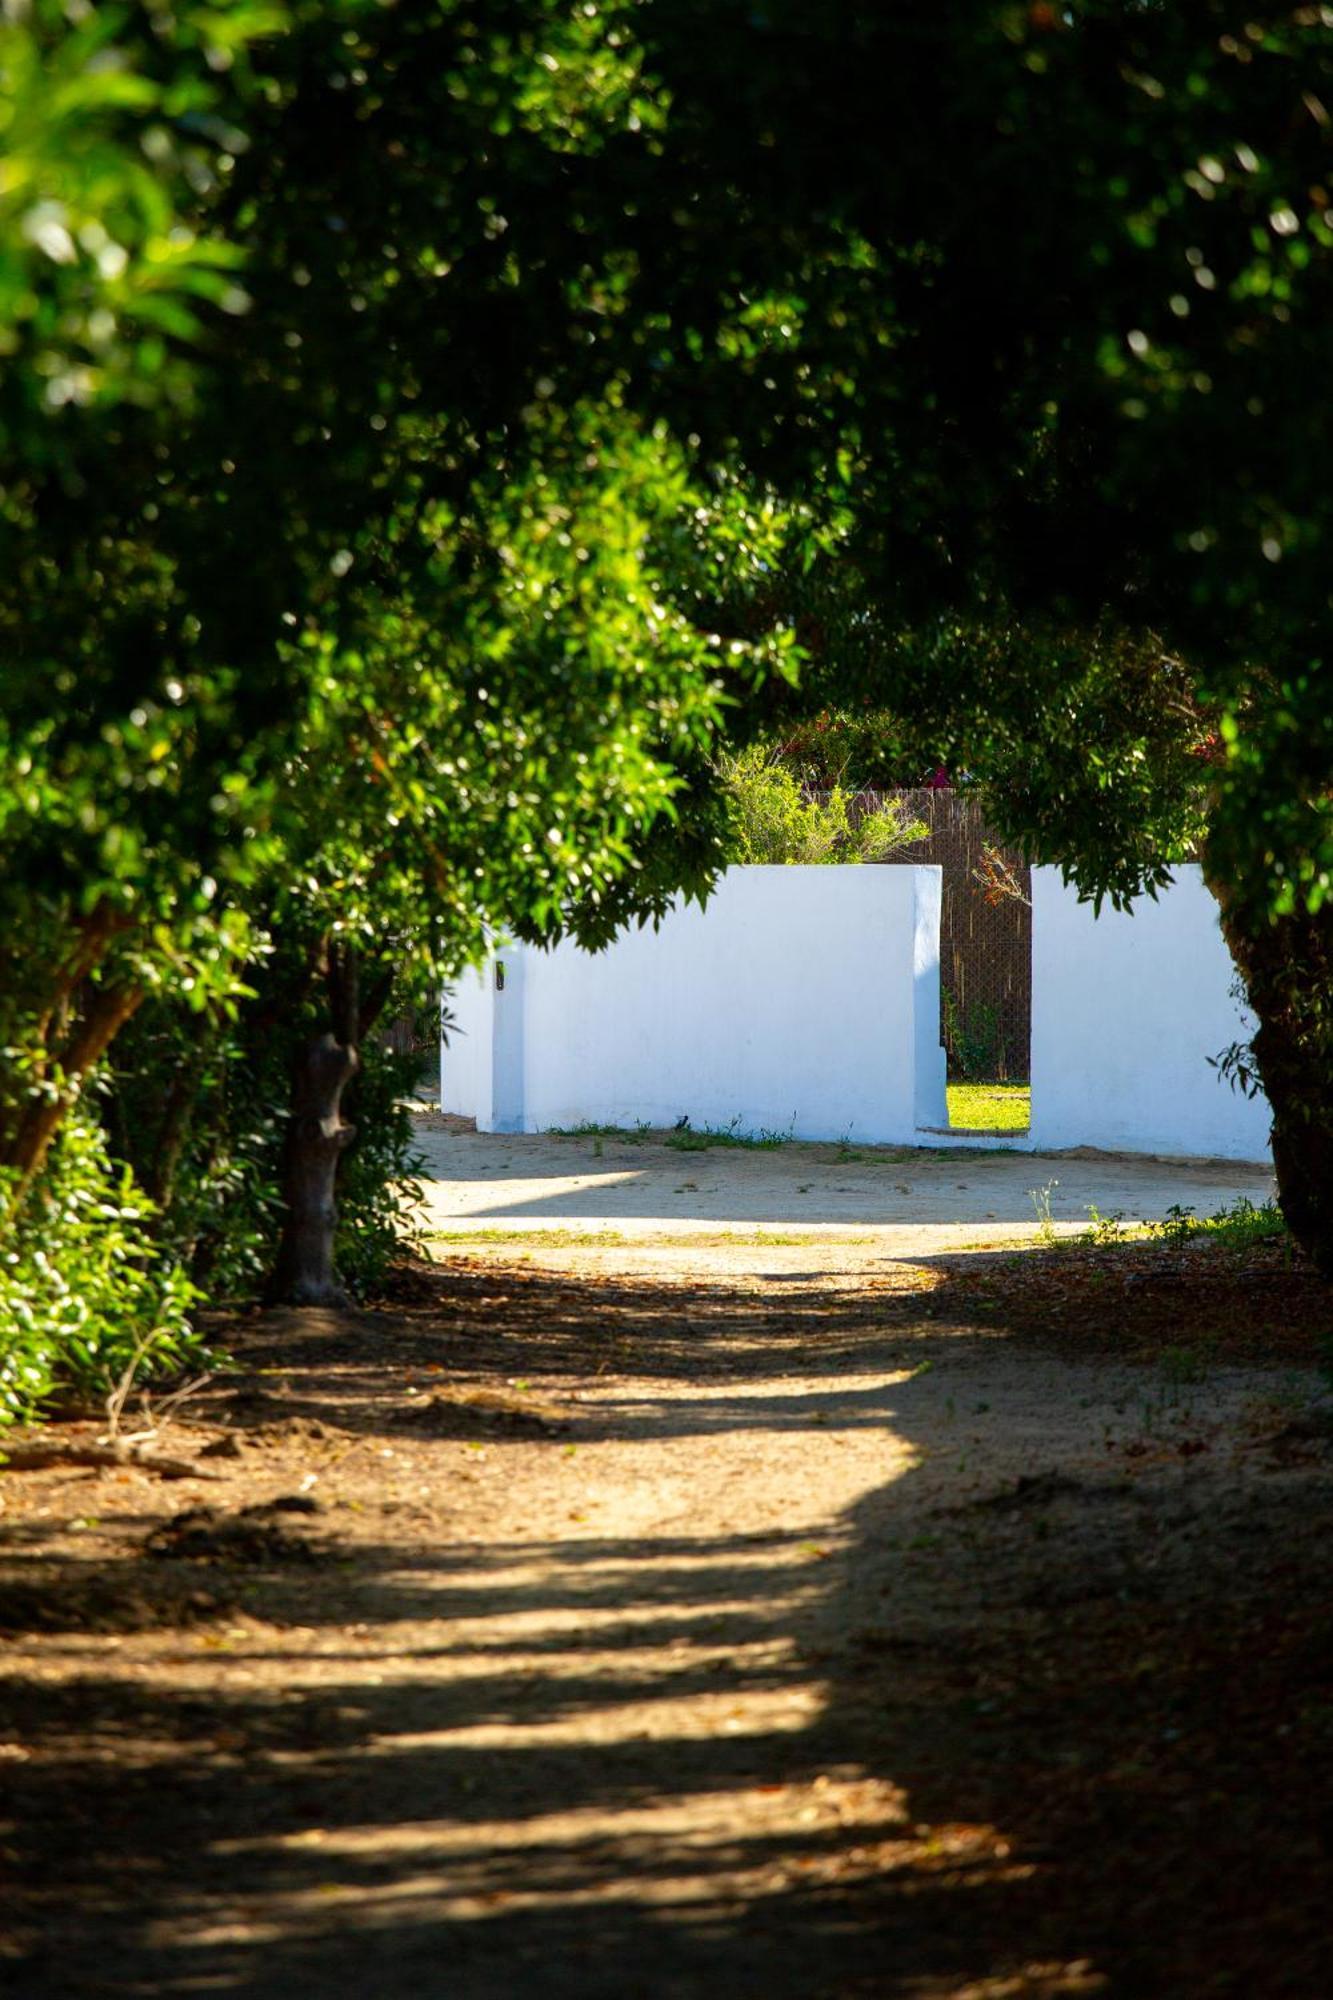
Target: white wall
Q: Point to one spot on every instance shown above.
(807, 1000)
(466, 1045)
(1126, 1010)
(802, 1000)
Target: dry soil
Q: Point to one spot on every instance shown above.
(707, 1578)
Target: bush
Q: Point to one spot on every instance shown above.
(378, 1186)
(866, 742)
(199, 1111)
(775, 820)
(86, 1293)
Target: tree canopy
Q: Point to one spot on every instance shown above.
(426, 429)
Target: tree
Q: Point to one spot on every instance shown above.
(1035, 302)
(371, 616)
(540, 382)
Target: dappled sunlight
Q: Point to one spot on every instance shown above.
(686, 1858)
(794, 1627)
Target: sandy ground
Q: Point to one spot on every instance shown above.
(734, 1607)
(900, 1201)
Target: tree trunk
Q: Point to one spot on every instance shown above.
(1286, 964)
(26, 1148)
(305, 1272)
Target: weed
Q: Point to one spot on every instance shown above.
(1041, 1202)
(591, 1129)
(1240, 1227)
(1103, 1230)
(543, 1237)
(685, 1138)
(1178, 1224)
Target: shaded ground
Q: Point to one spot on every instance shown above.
(778, 1618)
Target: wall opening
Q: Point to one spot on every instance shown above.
(985, 961)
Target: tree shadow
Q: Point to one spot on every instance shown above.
(1069, 1736)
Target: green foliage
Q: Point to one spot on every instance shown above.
(687, 1138)
(346, 591)
(776, 820)
(378, 1184)
(973, 1039)
(106, 134)
(1240, 1227)
(87, 1294)
(197, 1109)
(200, 1112)
(411, 475)
(859, 748)
(1041, 1208)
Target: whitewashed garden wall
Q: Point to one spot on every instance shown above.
(801, 1000)
(1126, 1011)
(806, 1001)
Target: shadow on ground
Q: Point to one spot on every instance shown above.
(1072, 1735)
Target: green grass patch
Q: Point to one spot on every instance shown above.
(990, 1107)
(685, 1139)
(682, 1138)
(561, 1239)
(539, 1238)
(631, 1135)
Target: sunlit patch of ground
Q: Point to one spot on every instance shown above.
(990, 1107)
(762, 1615)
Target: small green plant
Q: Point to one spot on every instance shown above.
(379, 1178)
(628, 1135)
(685, 1138)
(1239, 1227)
(1104, 1230)
(1177, 1225)
(1041, 1203)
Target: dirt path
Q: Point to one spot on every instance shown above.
(661, 1619)
(909, 1202)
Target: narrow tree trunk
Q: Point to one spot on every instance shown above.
(305, 1272)
(1286, 964)
(107, 1011)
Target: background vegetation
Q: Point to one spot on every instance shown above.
(430, 435)
(778, 819)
